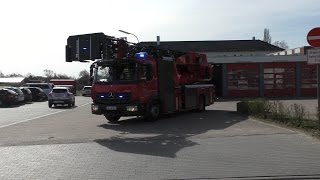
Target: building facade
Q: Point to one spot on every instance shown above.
(253, 68)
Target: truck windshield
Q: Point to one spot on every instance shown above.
(116, 72)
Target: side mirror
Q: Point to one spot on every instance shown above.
(143, 79)
(91, 80)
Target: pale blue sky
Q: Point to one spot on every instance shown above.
(33, 33)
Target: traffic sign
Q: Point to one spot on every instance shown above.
(313, 37)
(314, 56)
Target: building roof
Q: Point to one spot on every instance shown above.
(11, 80)
(215, 46)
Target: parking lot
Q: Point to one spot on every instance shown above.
(32, 110)
(38, 142)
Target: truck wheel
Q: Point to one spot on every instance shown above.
(153, 112)
(50, 105)
(112, 118)
(201, 105)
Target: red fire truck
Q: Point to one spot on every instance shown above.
(132, 80)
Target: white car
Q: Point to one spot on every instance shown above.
(86, 91)
(61, 95)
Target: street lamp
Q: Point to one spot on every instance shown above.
(129, 33)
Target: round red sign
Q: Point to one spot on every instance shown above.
(313, 37)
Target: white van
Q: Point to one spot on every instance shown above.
(46, 87)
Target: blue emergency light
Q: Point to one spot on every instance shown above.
(141, 55)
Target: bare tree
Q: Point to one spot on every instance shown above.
(14, 75)
(48, 73)
(83, 79)
(282, 44)
(1, 74)
(266, 36)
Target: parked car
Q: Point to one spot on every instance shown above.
(8, 97)
(27, 94)
(19, 92)
(61, 95)
(46, 87)
(86, 91)
(37, 94)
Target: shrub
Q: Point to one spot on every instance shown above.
(295, 115)
(258, 108)
(298, 113)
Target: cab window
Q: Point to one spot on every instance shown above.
(146, 72)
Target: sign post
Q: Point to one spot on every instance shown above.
(313, 39)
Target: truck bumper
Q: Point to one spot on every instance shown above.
(118, 109)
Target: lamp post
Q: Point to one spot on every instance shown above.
(129, 33)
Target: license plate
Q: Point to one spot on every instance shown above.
(111, 108)
(58, 101)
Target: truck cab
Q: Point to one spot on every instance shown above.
(124, 86)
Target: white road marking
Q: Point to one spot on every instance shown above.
(39, 117)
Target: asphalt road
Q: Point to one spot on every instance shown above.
(70, 143)
(25, 112)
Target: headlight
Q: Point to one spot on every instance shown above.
(132, 108)
(94, 107)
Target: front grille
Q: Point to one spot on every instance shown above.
(113, 98)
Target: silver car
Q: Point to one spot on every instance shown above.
(86, 91)
(61, 95)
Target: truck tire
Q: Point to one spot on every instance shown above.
(49, 104)
(153, 112)
(112, 118)
(201, 105)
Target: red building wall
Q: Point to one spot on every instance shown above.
(278, 78)
(308, 79)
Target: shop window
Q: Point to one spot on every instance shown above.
(309, 76)
(279, 70)
(268, 70)
(243, 79)
(279, 78)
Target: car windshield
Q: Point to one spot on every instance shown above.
(15, 90)
(116, 72)
(36, 89)
(42, 86)
(59, 90)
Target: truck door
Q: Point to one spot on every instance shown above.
(166, 85)
(148, 85)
